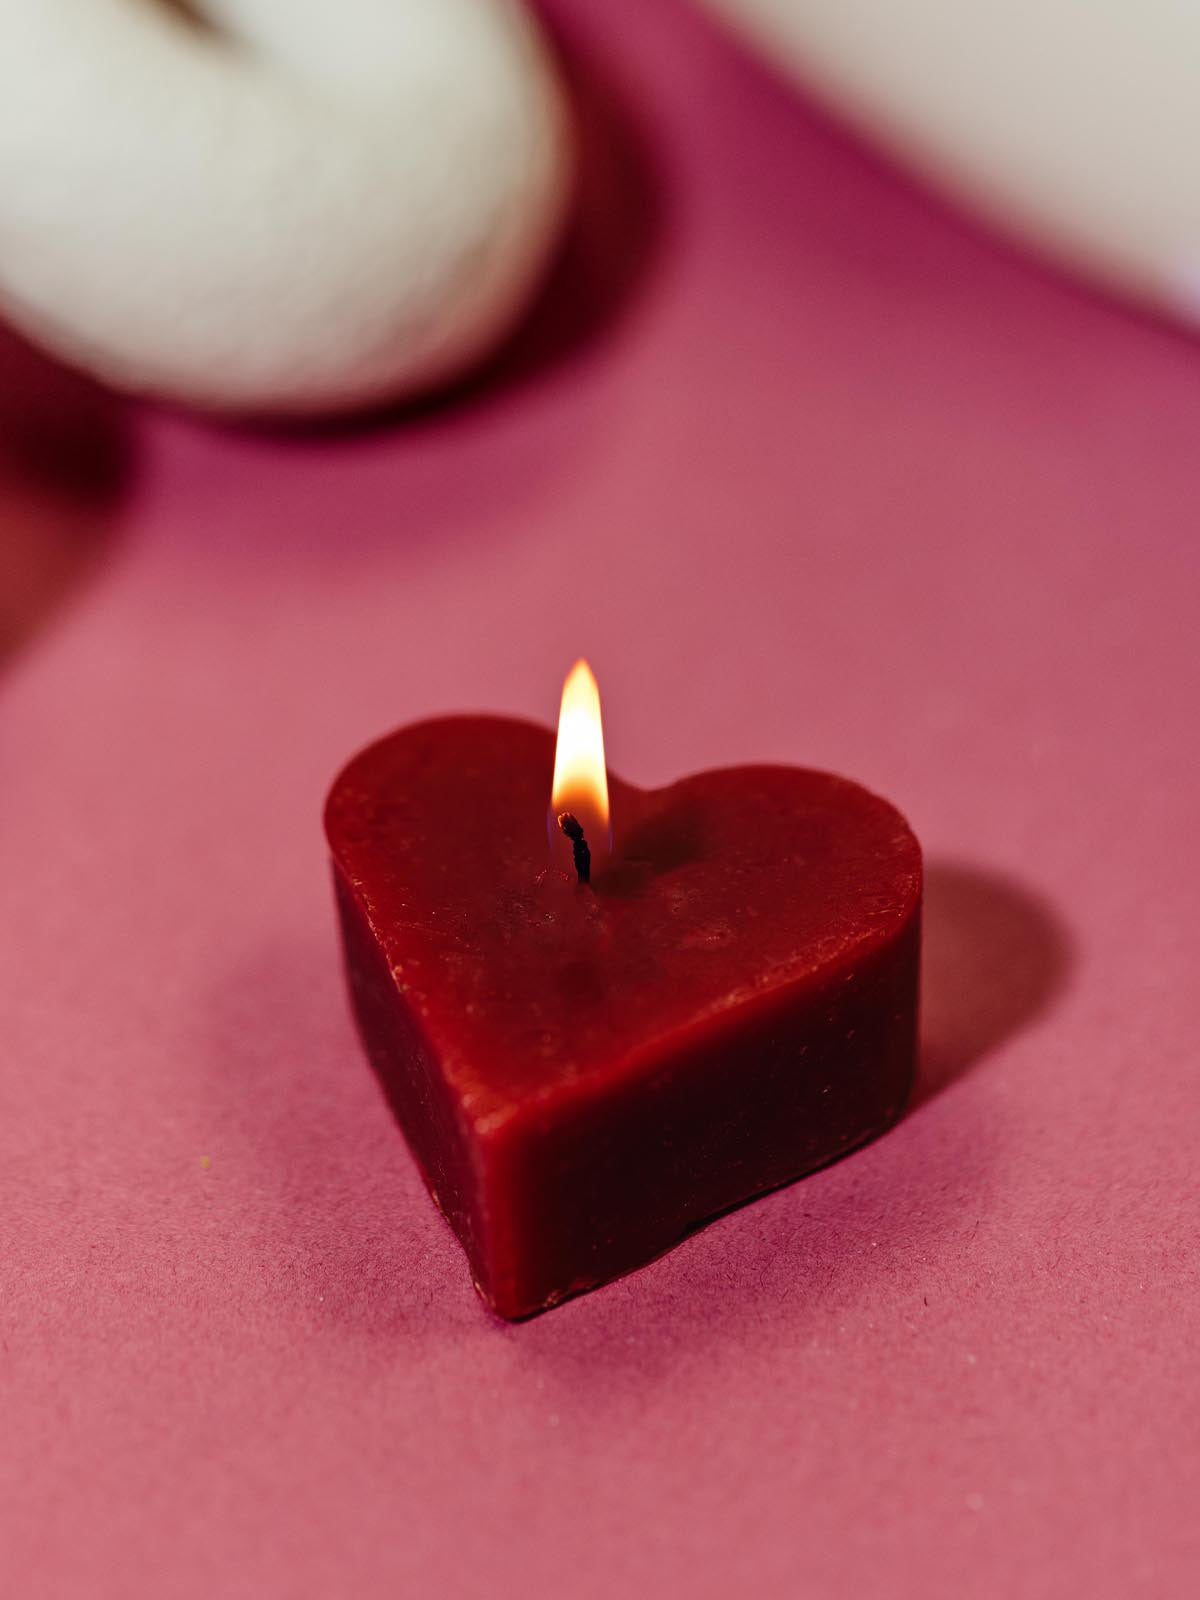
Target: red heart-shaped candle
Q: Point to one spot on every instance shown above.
(586, 1074)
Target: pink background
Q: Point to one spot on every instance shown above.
(813, 472)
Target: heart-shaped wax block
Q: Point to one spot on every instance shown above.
(586, 1074)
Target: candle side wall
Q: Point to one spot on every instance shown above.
(415, 1089)
(603, 1182)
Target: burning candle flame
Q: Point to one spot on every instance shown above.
(580, 777)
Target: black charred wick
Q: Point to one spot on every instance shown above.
(579, 847)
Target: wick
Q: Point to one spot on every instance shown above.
(579, 847)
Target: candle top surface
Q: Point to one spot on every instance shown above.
(725, 887)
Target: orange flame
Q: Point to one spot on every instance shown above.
(580, 777)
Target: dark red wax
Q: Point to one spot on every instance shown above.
(587, 1074)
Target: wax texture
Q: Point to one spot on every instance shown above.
(586, 1074)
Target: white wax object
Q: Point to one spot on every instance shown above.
(1074, 123)
(285, 206)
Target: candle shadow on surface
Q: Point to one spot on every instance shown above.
(994, 955)
(65, 465)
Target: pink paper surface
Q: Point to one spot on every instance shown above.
(813, 472)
